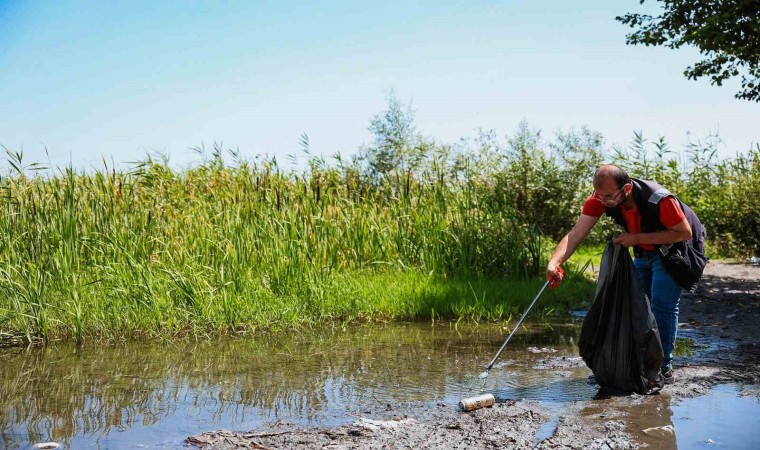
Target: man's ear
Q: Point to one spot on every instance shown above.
(628, 188)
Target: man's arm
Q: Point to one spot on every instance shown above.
(678, 233)
(569, 244)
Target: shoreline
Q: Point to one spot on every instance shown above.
(720, 318)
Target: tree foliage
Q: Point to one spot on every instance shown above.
(726, 32)
(396, 143)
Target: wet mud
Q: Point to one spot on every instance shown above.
(719, 324)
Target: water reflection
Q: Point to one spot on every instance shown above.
(137, 393)
(651, 413)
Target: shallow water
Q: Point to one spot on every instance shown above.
(729, 417)
(140, 395)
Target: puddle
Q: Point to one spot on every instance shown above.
(140, 395)
(728, 417)
(156, 395)
(547, 429)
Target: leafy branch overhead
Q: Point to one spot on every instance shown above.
(726, 32)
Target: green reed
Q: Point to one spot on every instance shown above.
(217, 248)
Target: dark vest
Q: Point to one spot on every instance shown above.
(647, 195)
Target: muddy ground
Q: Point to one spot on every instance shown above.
(722, 318)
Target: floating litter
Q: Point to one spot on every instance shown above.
(661, 432)
(43, 445)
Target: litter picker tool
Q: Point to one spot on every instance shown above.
(484, 375)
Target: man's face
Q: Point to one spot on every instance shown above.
(610, 194)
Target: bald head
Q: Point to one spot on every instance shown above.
(610, 172)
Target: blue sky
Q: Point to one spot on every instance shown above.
(87, 79)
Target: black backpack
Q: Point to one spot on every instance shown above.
(685, 261)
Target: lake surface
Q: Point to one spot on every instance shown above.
(141, 395)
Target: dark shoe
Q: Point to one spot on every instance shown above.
(667, 375)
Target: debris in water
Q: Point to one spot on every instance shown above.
(664, 431)
(542, 350)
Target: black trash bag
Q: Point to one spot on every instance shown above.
(619, 339)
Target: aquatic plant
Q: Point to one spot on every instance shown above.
(238, 247)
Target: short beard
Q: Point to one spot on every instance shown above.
(625, 198)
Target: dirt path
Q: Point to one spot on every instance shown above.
(722, 318)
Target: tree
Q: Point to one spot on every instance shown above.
(396, 145)
(727, 32)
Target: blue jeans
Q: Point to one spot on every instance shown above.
(664, 295)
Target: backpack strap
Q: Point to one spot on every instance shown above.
(658, 195)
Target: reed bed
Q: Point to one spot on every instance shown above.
(411, 230)
(216, 248)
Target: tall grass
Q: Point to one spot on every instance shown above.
(239, 247)
(456, 231)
